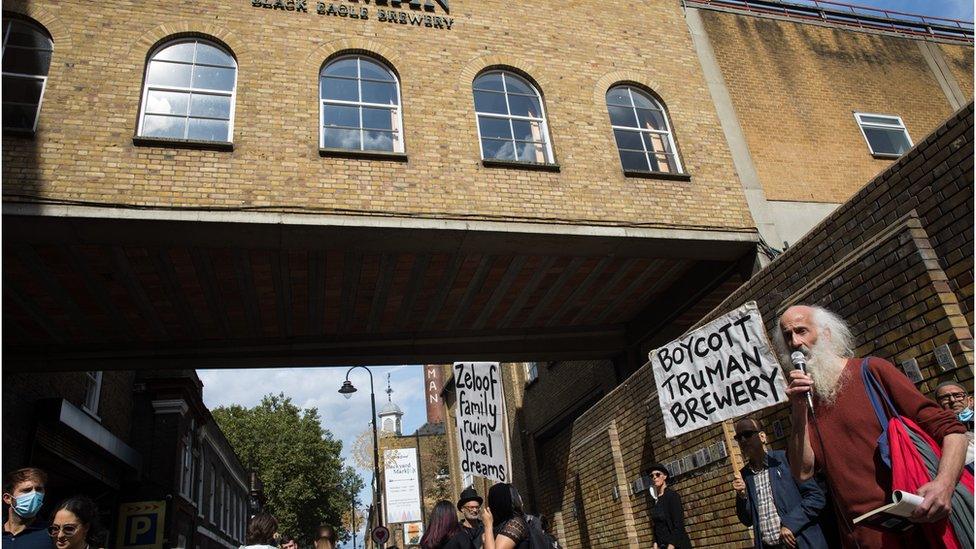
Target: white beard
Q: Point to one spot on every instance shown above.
(827, 371)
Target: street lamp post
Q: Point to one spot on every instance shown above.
(347, 390)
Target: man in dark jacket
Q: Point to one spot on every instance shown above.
(471, 528)
(781, 511)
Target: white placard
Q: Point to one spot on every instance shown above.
(402, 486)
(720, 371)
(480, 420)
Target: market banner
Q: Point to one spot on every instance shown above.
(402, 485)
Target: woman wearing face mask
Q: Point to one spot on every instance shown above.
(23, 493)
(505, 525)
(74, 523)
(666, 513)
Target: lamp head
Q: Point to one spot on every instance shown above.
(347, 389)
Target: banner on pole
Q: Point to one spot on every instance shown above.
(721, 370)
(402, 485)
(480, 420)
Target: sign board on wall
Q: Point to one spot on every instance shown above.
(721, 370)
(412, 532)
(480, 420)
(402, 485)
(141, 525)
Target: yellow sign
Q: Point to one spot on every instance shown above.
(141, 525)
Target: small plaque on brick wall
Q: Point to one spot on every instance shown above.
(721, 450)
(944, 357)
(910, 367)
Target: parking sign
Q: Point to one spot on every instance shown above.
(141, 525)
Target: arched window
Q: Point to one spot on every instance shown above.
(189, 92)
(642, 131)
(360, 106)
(511, 119)
(27, 49)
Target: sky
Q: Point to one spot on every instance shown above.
(952, 9)
(318, 388)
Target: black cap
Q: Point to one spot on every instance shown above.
(659, 467)
(469, 494)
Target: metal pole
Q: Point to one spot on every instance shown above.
(352, 508)
(377, 493)
(420, 478)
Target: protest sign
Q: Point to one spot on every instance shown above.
(720, 371)
(480, 420)
(402, 485)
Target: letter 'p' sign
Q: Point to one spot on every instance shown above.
(720, 371)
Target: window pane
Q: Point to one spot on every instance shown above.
(885, 141)
(374, 71)
(498, 149)
(489, 82)
(628, 140)
(641, 101)
(212, 106)
(169, 74)
(531, 152)
(490, 102)
(340, 89)
(26, 61)
(341, 139)
(384, 93)
(207, 130)
(494, 127)
(378, 119)
(163, 126)
(651, 119)
(19, 116)
(517, 85)
(22, 90)
(522, 105)
(374, 140)
(211, 55)
(528, 130)
(163, 102)
(657, 142)
(618, 96)
(22, 34)
(879, 120)
(342, 67)
(662, 163)
(213, 78)
(634, 161)
(338, 115)
(623, 116)
(177, 52)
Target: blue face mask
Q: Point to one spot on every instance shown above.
(965, 415)
(27, 505)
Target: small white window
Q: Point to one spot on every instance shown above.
(642, 131)
(886, 135)
(531, 371)
(27, 50)
(511, 119)
(360, 106)
(186, 470)
(93, 390)
(189, 92)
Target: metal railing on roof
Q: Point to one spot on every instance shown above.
(850, 15)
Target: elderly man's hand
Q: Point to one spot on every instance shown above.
(800, 385)
(936, 502)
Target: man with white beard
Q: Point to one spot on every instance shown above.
(849, 428)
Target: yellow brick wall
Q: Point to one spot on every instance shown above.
(795, 88)
(83, 149)
(960, 61)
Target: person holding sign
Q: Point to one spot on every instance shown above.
(666, 513)
(836, 432)
(504, 519)
(781, 511)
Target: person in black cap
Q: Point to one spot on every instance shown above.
(471, 527)
(666, 512)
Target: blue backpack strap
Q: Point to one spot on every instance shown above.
(879, 398)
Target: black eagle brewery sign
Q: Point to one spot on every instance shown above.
(419, 13)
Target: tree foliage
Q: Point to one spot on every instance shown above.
(305, 482)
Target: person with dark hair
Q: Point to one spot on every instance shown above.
(325, 537)
(23, 493)
(666, 512)
(261, 530)
(442, 526)
(75, 523)
(504, 519)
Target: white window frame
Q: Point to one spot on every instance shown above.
(542, 118)
(146, 88)
(186, 463)
(93, 391)
(861, 124)
(398, 146)
(531, 372)
(668, 132)
(43, 79)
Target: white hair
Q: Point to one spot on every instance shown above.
(834, 341)
(839, 339)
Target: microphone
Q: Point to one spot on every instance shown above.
(799, 360)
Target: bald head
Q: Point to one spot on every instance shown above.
(747, 424)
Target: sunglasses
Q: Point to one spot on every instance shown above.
(656, 474)
(744, 435)
(68, 530)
